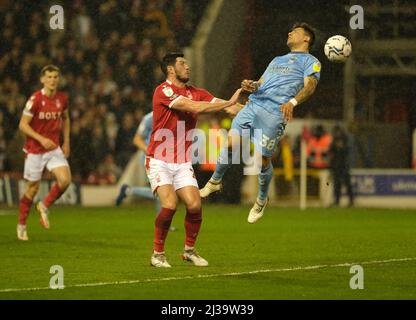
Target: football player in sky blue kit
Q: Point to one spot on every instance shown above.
(288, 81)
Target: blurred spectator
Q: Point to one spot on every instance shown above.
(124, 147)
(109, 56)
(339, 155)
(3, 146)
(318, 147)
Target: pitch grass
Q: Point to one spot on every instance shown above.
(96, 245)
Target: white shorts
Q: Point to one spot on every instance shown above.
(179, 175)
(36, 163)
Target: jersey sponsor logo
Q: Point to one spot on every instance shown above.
(49, 115)
(316, 67)
(280, 69)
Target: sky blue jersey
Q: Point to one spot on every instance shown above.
(283, 79)
(145, 127)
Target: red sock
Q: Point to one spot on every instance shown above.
(162, 225)
(193, 220)
(24, 208)
(53, 194)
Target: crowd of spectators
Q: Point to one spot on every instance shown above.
(108, 53)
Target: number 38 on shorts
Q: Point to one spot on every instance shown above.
(267, 142)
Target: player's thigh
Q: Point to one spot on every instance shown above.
(190, 197)
(63, 176)
(243, 122)
(34, 166)
(184, 176)
(159, 173)
(58, 165)
(267, 134)
(167, 196)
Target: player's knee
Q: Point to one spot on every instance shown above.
(170, 203)
(194, 205)
(64, 183)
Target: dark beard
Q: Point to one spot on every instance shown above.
(183, 80)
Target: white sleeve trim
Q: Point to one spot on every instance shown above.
(174, 101)
(27, 113)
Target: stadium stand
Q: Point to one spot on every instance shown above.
(109, 63)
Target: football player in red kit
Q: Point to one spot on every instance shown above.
(168, 162)
(44, 117)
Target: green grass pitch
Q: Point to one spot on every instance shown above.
(288, 254)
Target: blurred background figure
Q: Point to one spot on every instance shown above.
(318, 147)
(339, 157)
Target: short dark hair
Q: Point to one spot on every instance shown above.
(49, 67)
(169, 60)
(308, 29)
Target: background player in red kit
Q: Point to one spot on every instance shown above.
(168, 163)
(44, 117)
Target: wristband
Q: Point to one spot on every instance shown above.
(294, 102)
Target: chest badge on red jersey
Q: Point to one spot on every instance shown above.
(58, 104)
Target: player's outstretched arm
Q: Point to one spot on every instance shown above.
(309, 86)
(197, 107)
(24, 126)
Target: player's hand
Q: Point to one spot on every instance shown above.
(66, 149)
(48, 144)
(287, 110)
(234, 98)
(249, 85)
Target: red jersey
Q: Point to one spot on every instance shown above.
(171, 138)
(46, 120)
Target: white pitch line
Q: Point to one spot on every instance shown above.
(200, 276)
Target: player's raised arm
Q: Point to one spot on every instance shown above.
(24, 126)
(309, 86)
(197, 107)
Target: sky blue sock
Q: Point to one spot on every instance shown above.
(223, 163)
(264, 178)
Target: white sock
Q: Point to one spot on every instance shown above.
(188, 248)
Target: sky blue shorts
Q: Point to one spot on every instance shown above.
(265, 128)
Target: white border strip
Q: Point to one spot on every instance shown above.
(201, 276)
